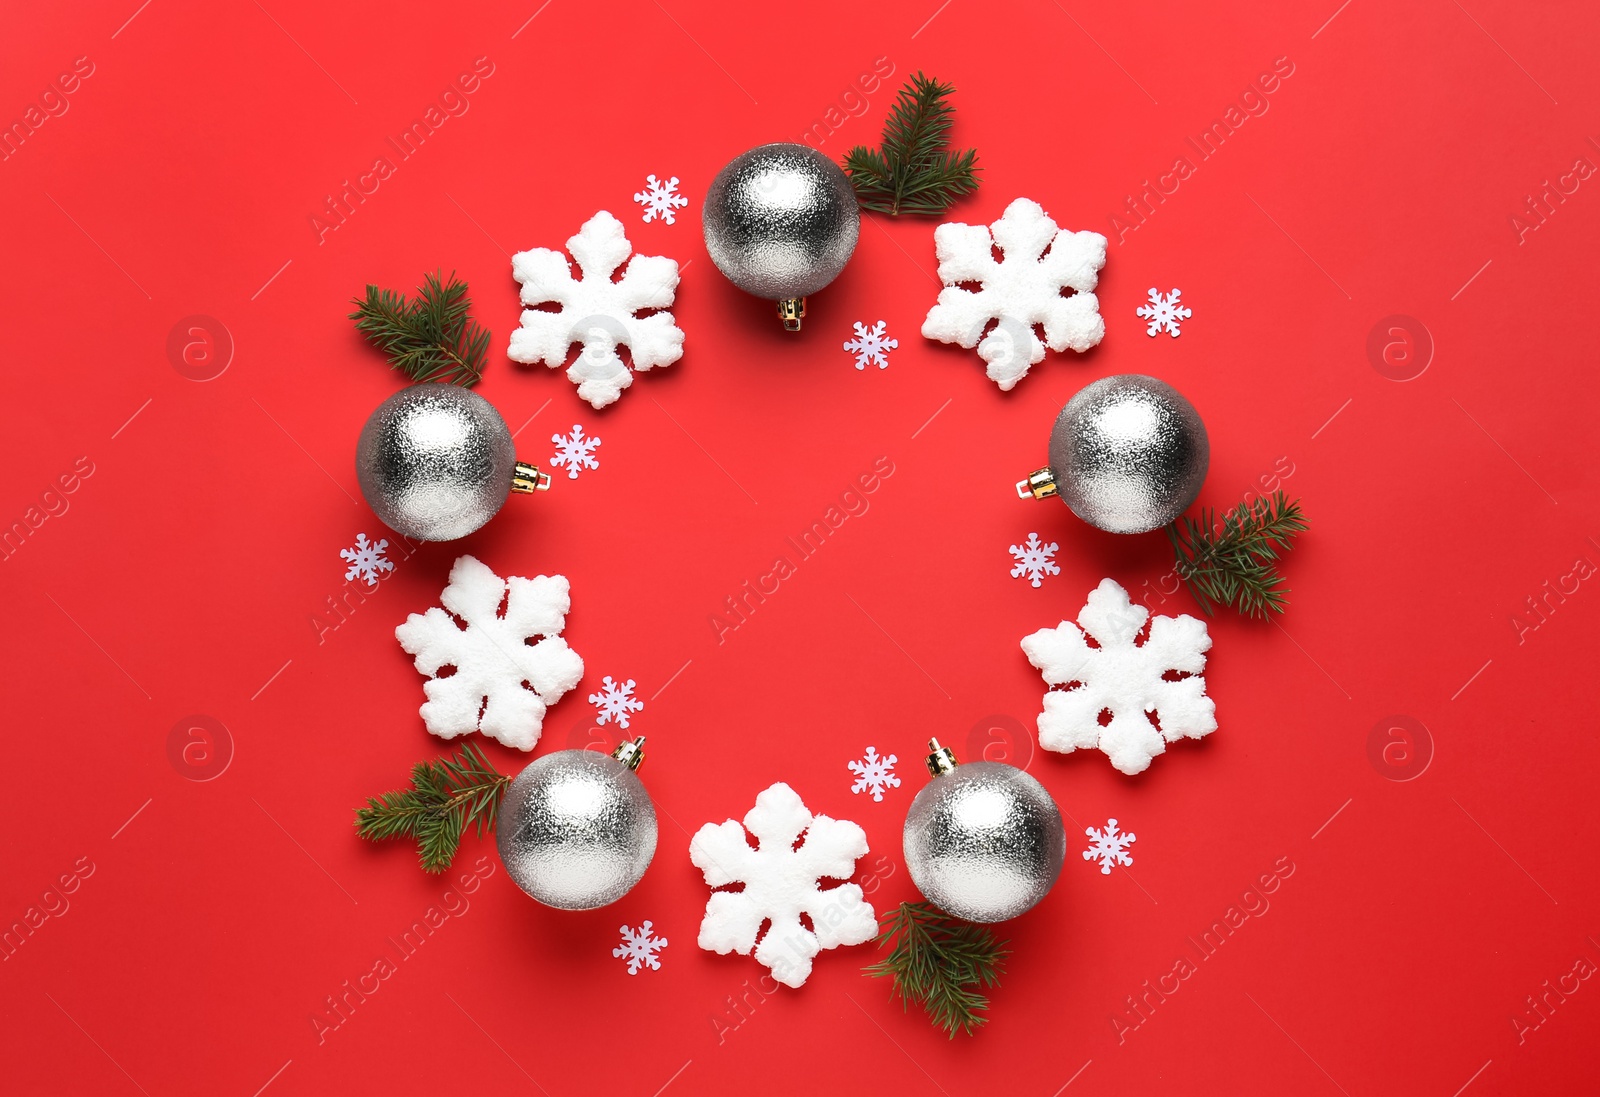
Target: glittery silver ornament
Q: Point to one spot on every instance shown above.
(576, 828)
(983, 841)
(435, 462)
(781, 221)
(1128, 454)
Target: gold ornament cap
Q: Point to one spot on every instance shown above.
(942, 760)
(1040, 484)
(526, 478)
(791, 310)
(630, 754)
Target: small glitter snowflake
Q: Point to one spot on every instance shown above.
(870, 347)
(1163, 312)
(1034, 559)
(660, 199)
(874, 774)
(639, 948)
(575, 452)
(1109, 847)
(366, 560)
(615, 702)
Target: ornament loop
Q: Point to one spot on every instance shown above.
(791, 310)
(942, 760)
(630, 754)
(1040, 484)
(526, 478)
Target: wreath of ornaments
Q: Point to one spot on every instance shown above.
(983, 841)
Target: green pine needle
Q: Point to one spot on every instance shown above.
(915, 171)
(940, 962)
(445, 798)
(1234, 562)
(430, 338)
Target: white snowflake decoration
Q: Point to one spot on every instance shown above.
(501, 685)
(660, 199)
(874, 774)
(1164, 312)
(575, 452)
(366, 560)
(615, 702)
(597, 311)
(1035, 559)
(1018, 291)
(1122, 678)
(780, 885)
(1108, 846)
(639, 947)
(870, 346)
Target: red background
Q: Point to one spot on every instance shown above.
(187, 572)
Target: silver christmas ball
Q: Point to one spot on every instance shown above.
(1128, 453)
(435, 461)
(576, 829)
(983, 841)
(781, 221)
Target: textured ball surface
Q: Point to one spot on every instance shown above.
(576, 830)
(1129, 453)
(984, 842)
(435, 462)
(781, 221)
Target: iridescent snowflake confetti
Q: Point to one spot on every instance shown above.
(640, 948)
(871, 345)
(615, 702)
(1035, 559)
(1109, 846)
(874, 774)
(575, 452)
(1164, 313)
(660, 199)
(366, 560)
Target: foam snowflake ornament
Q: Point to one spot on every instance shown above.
(1164, 312)
(502, 684)
(871, 346)
(615, 701)
(597, 310)
(640, 947)
(1021, 289)
(1035, 559)
(660, 199)
(781, 884)
(366, 560)
(1123, 678)
(874, 774)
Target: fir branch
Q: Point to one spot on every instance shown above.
(430, 338)
(1234, 562)
(940, 962)
(915, 171)
(445, 798)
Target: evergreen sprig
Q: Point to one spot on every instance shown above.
(1235, 562)
(445, 798)
(430, 338)
(940, 962)
(915, 171)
